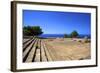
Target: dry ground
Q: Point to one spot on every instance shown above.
(68, 49)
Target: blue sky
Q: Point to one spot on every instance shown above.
(53, 22)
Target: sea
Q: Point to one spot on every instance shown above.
(62, 35)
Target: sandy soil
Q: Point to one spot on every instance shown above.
(68, 49)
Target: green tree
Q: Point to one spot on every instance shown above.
(32, 31)
(26, 31)
(36, 30)
(74, 34)
(65, 35)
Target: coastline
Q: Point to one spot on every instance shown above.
(62, 35)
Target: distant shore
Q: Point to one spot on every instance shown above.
(62, 35)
